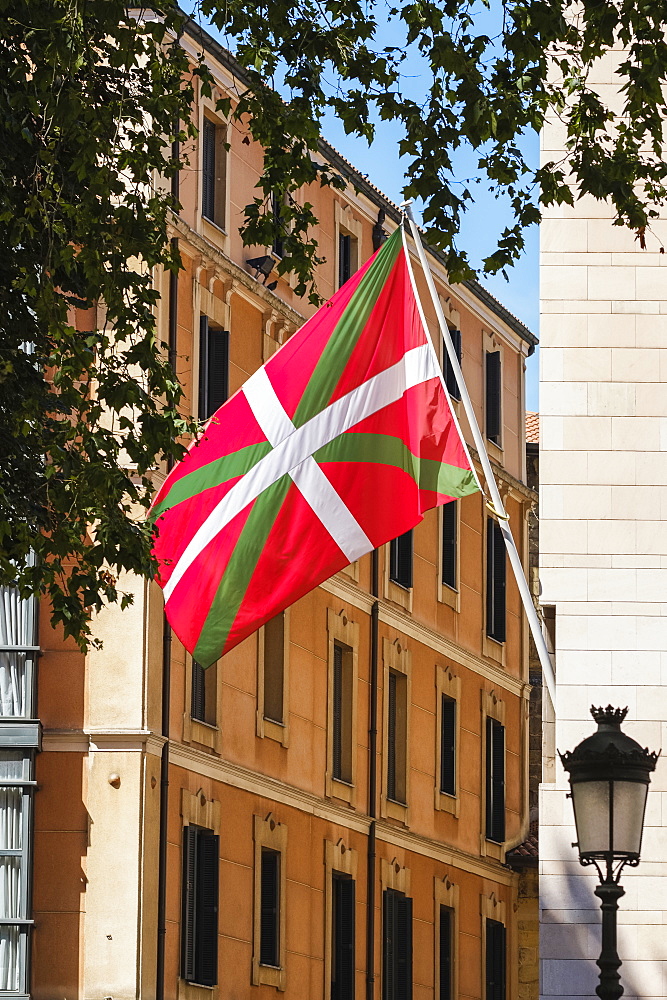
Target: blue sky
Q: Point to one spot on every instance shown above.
(484, 222)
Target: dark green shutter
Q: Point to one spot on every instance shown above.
(391, 737)
(188, 896)
(269, 944)
(404, 949)
(208, 170)
(495, 961)
(198, 702)
(495, 780)
(449, 526)
(396, 946)
(342, 965)
(278, 246)
(400, 560)
(446, 953)
(493, 393)
(338, 712)
(496, 582)
(213, 368)
(450, 377)
(448, 746)
(206, 941)
(388, 944)
(344, 258)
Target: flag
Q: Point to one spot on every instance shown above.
(339, 443)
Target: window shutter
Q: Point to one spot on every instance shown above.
(391, 737)
(404, 949)
(198, 702)
(445, 953)
(218, 369)
(400, 560)
(344, 258)
(493, 390)
(208, 170)
(278, 246)
(495, 960)
(388, 945)
(337, 711)
(203, 410)
(342, 982)
(495, 582)
(207, 909)
(269, 908)
(495, 780)
(449, 526)
(448, 746)
(189, 902)
(450, 377)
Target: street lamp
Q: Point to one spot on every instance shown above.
(609, 779)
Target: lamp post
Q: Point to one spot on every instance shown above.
(609, 779)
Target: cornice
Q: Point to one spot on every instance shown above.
(409, 626)
(201, 245)
(105, 740)
(267, 787)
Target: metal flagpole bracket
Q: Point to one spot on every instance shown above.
(497, 513)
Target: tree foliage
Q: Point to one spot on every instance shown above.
(90, 98)
(88, 101)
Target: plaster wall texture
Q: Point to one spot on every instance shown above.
(603, 530)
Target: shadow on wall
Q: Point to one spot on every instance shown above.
(570, 923)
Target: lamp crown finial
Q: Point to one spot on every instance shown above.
(609, 715)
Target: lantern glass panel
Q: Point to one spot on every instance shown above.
(591, 815)
(629, 805)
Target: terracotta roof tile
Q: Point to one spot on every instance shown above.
(532, 428)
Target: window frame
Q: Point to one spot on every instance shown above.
(192, 917)
(447, 685)
(492, 708)
(495, 557)
(494, 910)
(207, 734)
(392, 897)
(448, 374)
(493, 392)
(345, 224)
(344, 632)
(204, 814)
(450, 594)
(210, 399)
(446, 896)
(269, 835)
(342, 859)
(397, 660)
(271, 728)
(220, 167)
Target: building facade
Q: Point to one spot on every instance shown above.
(326, 811)
(603, 544)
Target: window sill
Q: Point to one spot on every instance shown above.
(269, 975)
(494, 450)
(399, 595)
(336, 788)
(194, 991)
(494, 650)
(444, 802)
(217, 229)
(269, 729)
(203, 733)
(492, 849)
(390, 809)
(449, 596)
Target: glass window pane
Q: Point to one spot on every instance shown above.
(9, 958)
(591, 814)
(12, 766)
(11, 808)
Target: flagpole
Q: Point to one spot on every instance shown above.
(497, 507)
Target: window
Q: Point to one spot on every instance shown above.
(268, 958)
(214, 163)
(199, 954)
(342, 930)
(495, 780)
(448, 745)
(496, 573)
(396, 946)
(493, 396)
(213, 367)
(400, 560)
(396, 720)
(446, 953)
(269, 921)
(273, 678)
(204, 693)
(450, 518)
(447, 368)
(342, 713)
(278, 245)
(344, 258)
(18, 652)
(495, 960)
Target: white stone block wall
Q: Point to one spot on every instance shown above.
(603, 561)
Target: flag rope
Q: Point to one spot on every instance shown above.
(496, 499)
